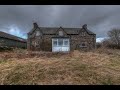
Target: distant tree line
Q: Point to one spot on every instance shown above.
(113, 41)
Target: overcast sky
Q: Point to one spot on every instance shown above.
(18, 19)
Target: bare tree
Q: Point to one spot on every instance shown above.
(114, 36)
(106, 43)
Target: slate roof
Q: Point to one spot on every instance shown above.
(49, 30)
(52, 30)
(12, 37)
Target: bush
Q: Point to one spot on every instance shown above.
(5, 48)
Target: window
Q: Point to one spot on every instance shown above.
(55, 42)
(83, 44)
(66, 42)
(37, 33)
(60, 33)
(60, 42)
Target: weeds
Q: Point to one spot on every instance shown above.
(20, 67)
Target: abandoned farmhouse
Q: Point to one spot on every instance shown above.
(60, 39)
(8, 40)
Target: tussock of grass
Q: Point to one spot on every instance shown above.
(42, 68)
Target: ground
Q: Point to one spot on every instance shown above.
(97, 67)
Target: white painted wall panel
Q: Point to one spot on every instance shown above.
(59, 49)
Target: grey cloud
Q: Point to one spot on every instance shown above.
(100, 18)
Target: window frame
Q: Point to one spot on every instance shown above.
(54, 41)
(63, 42)
(60, 40)
(67, 42)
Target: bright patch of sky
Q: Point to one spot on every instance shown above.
(17, 32)
(101, 39)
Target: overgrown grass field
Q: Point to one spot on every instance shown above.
(98, 67)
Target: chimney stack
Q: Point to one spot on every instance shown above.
(35, 25)
(84, 26)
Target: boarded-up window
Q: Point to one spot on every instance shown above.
(60, 33)
(37, 33)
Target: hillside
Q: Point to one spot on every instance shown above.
(100, 67)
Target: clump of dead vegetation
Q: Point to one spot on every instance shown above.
(97, 67)
(21, 54)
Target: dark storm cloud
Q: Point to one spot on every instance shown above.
(18, 19)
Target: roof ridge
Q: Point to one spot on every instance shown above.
(61, 27)
(50, 30)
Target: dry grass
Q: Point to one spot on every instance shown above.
(98, 67)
